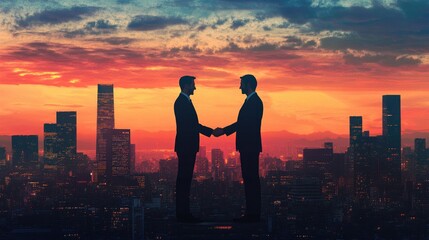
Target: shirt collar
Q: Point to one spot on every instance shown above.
(186, 95)
(250, 95)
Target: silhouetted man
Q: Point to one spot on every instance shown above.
(186, 146)
(248, 143)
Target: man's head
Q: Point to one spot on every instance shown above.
(248, 84)
(187, 84)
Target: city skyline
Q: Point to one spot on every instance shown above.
(330, 60)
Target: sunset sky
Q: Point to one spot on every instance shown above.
(317, 62)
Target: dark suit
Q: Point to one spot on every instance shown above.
(186, 146)
(249, 144)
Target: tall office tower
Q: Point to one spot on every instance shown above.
(50, 146)
(202, 165)
(420, 154)
(318, 163)
(105, 120)
(218, 164)
(392, 135)
(420, 151)
(168, 169)
(2, 156)
(132, 158)
(66, 135)
(25, 150)
(202, 152)
(117, 152)
(367, 168)
(355, 130)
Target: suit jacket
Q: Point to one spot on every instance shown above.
(248, 126)
(187, 127)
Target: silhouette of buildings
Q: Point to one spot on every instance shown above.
(66, 136)
(392, 136)
(105, 120)
(218, 164)
(132, 158)
(118, 152)
(50, 146)
(2, 157)
(60, 143)
(25, 150)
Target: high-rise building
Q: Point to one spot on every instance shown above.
(105, 120)
(392, 136)
(218, 164)
(2, 156)
(367, 167)
(355, 125)
(355, 129)
(420, 151)
(168, 169)
(421, 159)
(132, 158)
(50, 146)
(202, 165)
(25, 150)
(318, 163)
(117, 152)
(66, 135)
(202, 152)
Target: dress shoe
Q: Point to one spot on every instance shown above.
(247, 219)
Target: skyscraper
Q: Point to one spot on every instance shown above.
(421, 160)
(50, 146)
(355, 124)
(66, 135)
(2, 156)
(132, 158)
(105, 120)
(118, 152)
(218, 164)
(392, 137)
(25, 150)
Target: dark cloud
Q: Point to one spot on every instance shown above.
(68, 55)
(202, 27)
(124, 1)
(148, 23)
(100, 25)
(91, 28)
(296, 11)
(115, 40)
(238, 23)
(218, 23)
(309, 44)
(267, 28)
(293, 40)
(56, 16)
(385, 60)
(264, 47)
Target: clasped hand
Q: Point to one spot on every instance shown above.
(218, 132)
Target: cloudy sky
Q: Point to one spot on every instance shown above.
(317, 62)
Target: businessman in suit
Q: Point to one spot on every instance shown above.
(187, 145)
(248, 143)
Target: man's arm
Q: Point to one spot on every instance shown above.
(228, 130)
(206, 131)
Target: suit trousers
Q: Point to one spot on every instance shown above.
(183, 182)
(252, 185)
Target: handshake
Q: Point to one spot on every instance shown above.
(218, 132)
